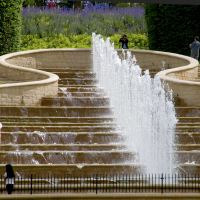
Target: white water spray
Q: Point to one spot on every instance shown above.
(143, 108)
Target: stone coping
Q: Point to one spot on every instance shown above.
(49, 77)
(193, 63)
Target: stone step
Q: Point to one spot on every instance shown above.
(90, 86)
(80, 89)
(82, 147)
(185, 157)
(187, 128)
(37, 137)
(188, 111)
(55, 119)
(189, 119)
(188, 147)
(83, 75)
(58, 128)
(86, 170)
(67, 70)
(74, 169)
(65, 157)
(61, 147)
(50, 124)
(79, 119)
(76, 111)
(63, 123)
(189, 168)
(77, 81)
(151, 70)
(75, 101)
(183, 124)
(188, 138)
(81, 157)
(81, 94)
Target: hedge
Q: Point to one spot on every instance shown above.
(172, 27)
(10, 25)
(139, 41)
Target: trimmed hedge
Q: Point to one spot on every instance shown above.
(139, 41)
(172, 27)
(10, 25)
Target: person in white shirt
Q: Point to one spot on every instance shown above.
(9, 177)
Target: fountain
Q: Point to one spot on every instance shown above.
(142, 106)
(73, 130)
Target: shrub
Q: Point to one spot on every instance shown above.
(77, 41)
(10, 25)
(136, 41)
(172, 27)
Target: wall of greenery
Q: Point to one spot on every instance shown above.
(172, 27)
(10, 25)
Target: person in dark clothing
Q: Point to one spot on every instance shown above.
(124, 42)
(195, 46)
(9, 178)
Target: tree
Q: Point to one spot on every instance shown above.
(172, 27)
(10, 25)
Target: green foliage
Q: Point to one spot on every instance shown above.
(123, 5)
(77, 41)
(172, 27)
(33, 3)
(137, 41)
(10, 25)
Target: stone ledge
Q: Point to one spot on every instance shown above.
(110, 196)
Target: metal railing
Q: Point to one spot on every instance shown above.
(137, 183)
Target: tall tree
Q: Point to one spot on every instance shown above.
(10, 25)
(172, 27)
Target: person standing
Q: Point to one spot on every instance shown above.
(9, 177)
(0, 131)
(195, 46)
(124, 41)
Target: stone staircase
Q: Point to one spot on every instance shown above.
(75, 132)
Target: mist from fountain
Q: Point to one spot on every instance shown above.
(142, 105)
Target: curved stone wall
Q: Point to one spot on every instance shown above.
(31, 84)
(35, 84)
(178, 71)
